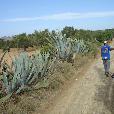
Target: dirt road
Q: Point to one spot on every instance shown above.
(93, 93)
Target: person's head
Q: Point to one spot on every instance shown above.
(105, 42)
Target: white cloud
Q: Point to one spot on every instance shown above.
(64, 16)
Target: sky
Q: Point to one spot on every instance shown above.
(18, 16)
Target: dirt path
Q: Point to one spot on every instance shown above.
(93, 93)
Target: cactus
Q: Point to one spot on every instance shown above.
(25, 71)
(62, 44)
(79, 46)
(67, 46)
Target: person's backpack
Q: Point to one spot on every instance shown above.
(105, 52)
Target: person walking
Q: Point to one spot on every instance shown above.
(105, 54)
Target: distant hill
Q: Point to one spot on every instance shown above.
(6, 38)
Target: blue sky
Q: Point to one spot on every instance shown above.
(17, 16)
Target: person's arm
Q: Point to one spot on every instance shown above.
(101, 52)
(111, 49)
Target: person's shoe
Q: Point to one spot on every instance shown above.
(112, 75)
(107, 74)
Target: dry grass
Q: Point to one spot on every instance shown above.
(14, 52)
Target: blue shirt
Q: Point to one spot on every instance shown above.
(105, 52)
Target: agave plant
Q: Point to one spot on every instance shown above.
(41, 64)
(79, 46)
(61, 44)
(66, 46)
(26, 70)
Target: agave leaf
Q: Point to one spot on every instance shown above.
(20, 89)
(30, 75)
(42, 84)
(6, 82)
(2, 100)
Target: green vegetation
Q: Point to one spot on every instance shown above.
(41, 38)
(28, 71)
